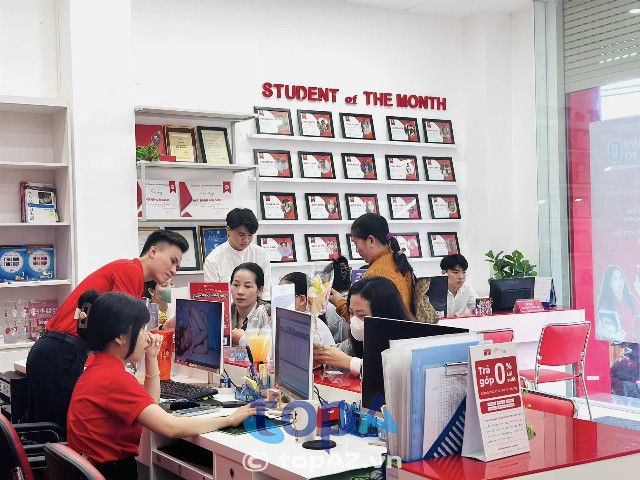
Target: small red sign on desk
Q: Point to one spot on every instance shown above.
(528, 306)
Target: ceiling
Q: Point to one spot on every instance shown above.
(454, 8)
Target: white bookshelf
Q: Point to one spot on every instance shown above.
(293, 139)
(38, 151)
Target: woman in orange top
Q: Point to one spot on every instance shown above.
(376, 245)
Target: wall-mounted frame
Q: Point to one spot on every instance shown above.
(402, 167)
(444, 206)
(403, 129)
(278, 206)
(214, 145)
(438, 131)
(211, 237)
(357, 126)
(181, 143)
(359, 166)
(353, 251)
(358, 204)
(439, 169)
(322, 246)
(280, 248)
(273, 163)
(442, 244)
(404, 207)
(409, 244)
(191, 259)
(273, 121)
(314, 123)
(323, 206)
(316, 165)
(143, 234)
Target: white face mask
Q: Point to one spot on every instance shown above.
(357, 328)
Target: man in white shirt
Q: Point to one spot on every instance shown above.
(461, 298)
(239, 248)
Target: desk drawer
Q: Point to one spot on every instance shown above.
(229, 470)
(181, 468)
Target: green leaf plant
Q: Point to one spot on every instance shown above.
(147, 154)
(512, 265)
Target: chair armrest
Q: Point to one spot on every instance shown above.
(50, 430)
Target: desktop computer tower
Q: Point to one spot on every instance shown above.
(14, 391)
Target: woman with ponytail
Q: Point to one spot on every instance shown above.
(377, 246)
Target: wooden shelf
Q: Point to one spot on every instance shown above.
(32, 165)
(350, 141)
(382, 181)
(35, 283)
(196, 166)
(184, 112)
(31, 104)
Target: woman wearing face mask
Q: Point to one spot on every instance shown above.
(323, 335)
(109, 407)
(161, 296)
(247, 285)
(370, 297)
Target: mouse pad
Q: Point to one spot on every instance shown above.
(251, 426)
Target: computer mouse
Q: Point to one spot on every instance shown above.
(182, 404)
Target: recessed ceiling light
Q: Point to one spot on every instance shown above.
(634, 10)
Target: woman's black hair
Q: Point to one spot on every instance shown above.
(299, 280)
(606, 299)
(150, 285)
(376, 226)
(253, 268)
(384, 299)
(111, 315)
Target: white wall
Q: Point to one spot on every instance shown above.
(28, 56)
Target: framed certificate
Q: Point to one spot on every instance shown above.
(353, 251)
(442, 244)
(358, 204)
(403, 129)
(444, 206)
(409, 244)
(210, 238)
(322, 247)
(323, 206)
(143, 234)
(280, 248)
(214, 145)
(273, 121)
(181, 143)
(437, 131)
(313, 123)
(273, 163)
(439, 169)
(404, 207)
(316, 165)
(278, 206)
(359, 166)
(357, 125)
(191, 259)
(402, 167)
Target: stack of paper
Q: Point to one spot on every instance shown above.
(427, 400)
(38, 203)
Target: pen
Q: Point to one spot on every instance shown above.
(250, 360)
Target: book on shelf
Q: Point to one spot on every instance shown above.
(38, 203)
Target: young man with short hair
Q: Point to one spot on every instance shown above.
(461, 298)
(239, 248)
(57, 358)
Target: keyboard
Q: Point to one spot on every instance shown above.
(194, 411)
(171, 389)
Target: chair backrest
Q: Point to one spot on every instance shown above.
(64, 462)
(545, 402)
(14, 463)
(498, 336)
(563, 344)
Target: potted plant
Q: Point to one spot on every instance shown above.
(147, 154)
(513, 265)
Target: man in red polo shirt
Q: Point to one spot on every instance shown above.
(57, 359)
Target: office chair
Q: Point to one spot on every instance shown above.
(561, 345)
(65, 463)
(18, 461)
(545, 402)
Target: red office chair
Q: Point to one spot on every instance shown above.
(65, 463)
(17, 461)
(561, 345)
(502, 335)
(545, 402)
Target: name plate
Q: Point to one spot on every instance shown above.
(528, 306)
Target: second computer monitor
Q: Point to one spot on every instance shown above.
(505, 291)
(294, 353)
(198, 334)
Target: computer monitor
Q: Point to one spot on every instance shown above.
(377, 333)
(437, 293)
(505, 291)
(198, 334)
(294, 354)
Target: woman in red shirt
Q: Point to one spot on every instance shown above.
(109, 407)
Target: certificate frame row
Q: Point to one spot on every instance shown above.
(202, 240)
(356, 166)
(326, 206)
(281, 248)
(360, 126)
